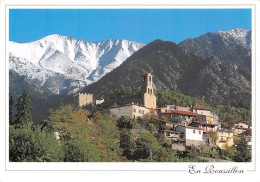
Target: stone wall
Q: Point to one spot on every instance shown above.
(194, 143)
(178, 147)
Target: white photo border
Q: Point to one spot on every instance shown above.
(127, 166)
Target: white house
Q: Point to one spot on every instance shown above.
(191, 135)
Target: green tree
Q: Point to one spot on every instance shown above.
(228, 153)
(127, 143)
(148, 149)
(243, 152)
(80, 150)
(125, 122)
(11, 102)
(99, 135)
(23, 113)
(107, 139)
(26, 145)
(151, 122)
(76, 136)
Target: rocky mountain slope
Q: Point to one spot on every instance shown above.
(180, 70)
(230, 46)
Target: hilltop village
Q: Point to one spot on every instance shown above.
(183, 126)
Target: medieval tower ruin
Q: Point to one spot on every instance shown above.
(83, 99)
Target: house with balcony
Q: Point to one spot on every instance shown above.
(207, 128)
(210, 117)
(191, 135)
(179, 117)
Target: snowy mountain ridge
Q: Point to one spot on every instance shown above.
(240, 35)
(230, 46)
(64, 65)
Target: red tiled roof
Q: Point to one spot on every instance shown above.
(171, 131)
(200, 107)
(180, 112)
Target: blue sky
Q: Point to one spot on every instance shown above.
(140, 25)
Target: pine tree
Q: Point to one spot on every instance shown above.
(23, 113)
(11, 102)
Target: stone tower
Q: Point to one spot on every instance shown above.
(83, 99)
(149, 97)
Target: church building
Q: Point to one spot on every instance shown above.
(134, 110)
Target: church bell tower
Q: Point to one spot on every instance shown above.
(149, 97)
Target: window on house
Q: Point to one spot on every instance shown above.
(199, 132)
(172, 107)
(168, 134)
(194, 131)
(134, 110)
(141, 111)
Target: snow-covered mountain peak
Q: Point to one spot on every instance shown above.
(240, 35)
(66, 58)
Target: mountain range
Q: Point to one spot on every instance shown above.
(230, 46)
(175, 68)
(214, 66)
(63, 64)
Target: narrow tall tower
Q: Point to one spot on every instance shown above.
(149, 97)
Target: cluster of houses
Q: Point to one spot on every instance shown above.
(185, 126)
(197, 125)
